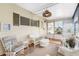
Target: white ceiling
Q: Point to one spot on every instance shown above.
(34, 7)
(62, 10)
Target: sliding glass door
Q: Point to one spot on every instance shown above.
(59, 27)
(53, 26)
(76, 25)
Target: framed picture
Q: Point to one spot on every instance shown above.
(6, 27)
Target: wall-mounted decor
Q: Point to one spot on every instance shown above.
(6, 27)
(15, 19)
(24, 21)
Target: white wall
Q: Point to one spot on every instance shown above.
(6, 17)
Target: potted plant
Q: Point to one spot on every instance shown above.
(58, 30)
(71, 42)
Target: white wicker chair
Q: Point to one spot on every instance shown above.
(11, 45)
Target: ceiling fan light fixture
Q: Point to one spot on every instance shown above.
(47, 13)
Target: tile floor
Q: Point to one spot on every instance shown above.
(50, 50)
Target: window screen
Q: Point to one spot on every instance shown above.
(15, 19)
(24, 20)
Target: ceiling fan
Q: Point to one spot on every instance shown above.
(46, 13)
